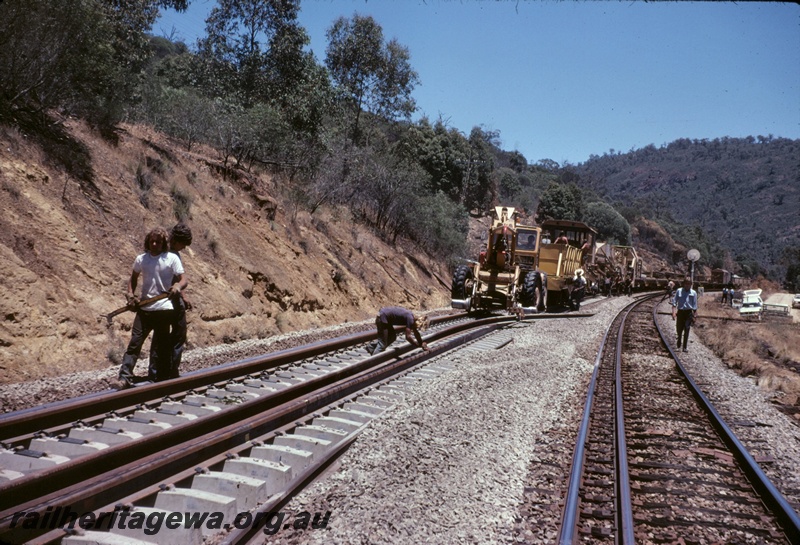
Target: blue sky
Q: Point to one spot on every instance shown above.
(565, 80)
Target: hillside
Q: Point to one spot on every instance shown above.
(742, 193)
(258, 264)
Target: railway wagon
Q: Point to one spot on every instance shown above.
(721, 277)
(560, 261)
(621, 263)
(716, 280)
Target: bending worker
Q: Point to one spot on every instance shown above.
(388, 317)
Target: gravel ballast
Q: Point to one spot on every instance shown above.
(449, 463)
(477, 454)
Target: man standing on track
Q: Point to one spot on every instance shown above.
(161, 272)
(684, 311)
(179, 238)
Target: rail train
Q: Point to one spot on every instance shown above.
(623, 264)
(528, 267)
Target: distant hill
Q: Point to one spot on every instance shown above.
(739, 195)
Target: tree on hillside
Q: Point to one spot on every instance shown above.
(458, 166)
(372, 76)
(508, 185)
(254, 49)
(548, 164)
(561, 202)
(478, 189)
(437, 148)
(609, 223)
(791, 256)
(84, 56)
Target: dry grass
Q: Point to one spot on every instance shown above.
(760, 349)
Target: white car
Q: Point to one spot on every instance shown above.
(752, 305)
(796, 301)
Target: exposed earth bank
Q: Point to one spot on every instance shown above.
(258, 265)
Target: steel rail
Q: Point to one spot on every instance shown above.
(569, 520)
(33, 420)
(240, 535)
(40, 483)
(21, 425)
(245, 536)
(28, 421)
(770, 495)
(63, 484)
(54, 536)
(625, 526)
(156, 457)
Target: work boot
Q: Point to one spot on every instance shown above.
(378, 348)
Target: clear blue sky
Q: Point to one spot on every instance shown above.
(565, 80)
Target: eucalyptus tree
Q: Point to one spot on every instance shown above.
(253, 49)
(560, 201)
(371, 75)
(609, 223)
(478, 188)
(83, 55)
(437, 148)
(254, 54)
(459, 166)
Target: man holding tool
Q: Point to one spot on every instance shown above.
(161, 273)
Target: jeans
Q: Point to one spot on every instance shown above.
(386, 336)
(177, 340)
(158, 322)
(683, 322)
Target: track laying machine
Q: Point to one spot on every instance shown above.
(527, 268)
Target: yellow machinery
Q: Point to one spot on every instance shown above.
(505, 275)
(567, 246)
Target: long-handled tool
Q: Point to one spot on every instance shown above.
(143, 302)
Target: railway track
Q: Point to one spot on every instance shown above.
(655, 463)
(235, 440)
(258, 450)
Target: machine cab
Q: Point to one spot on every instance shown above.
(502, 241)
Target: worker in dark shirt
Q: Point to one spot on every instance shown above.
(388, 317)
(180, 237)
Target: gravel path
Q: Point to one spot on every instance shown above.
(448, 464)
